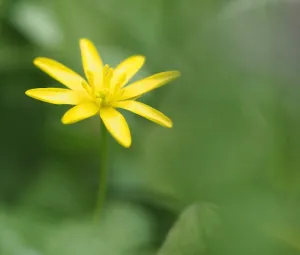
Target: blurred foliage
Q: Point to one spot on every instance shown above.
(190, 234)
(224, 180)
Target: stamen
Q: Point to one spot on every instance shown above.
(120, 82)
(99, 101)
(90, 78)
(104, 73)
(105, 70)
(107, 74)
(102, 96)
(86, 87)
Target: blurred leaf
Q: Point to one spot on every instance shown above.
(55, 192)
(136, 231)
(195, 226)
(27, 233)
(15, 57)
(4, 8)
(37, 23)
(238, 7)
(76, 238)
(11, 240)
(149, 18)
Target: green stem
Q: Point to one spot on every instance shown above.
(103, 173)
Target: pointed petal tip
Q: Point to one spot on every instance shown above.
(126, 144)
(175, 74)
(170, 124)
(124, 141)
(30, 92)
(27, 92)
(65, 121)
(141, 57)
(83, 40)
(167, 123)
(41, 61)
(171, 75)
(36, 61)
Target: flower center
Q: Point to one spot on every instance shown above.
(103, 96)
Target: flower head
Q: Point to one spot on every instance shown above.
(102, 91)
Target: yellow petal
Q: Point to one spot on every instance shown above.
(128, 68)
(80, 112)
(92, 63)
(143, 86)
(146, 112)
(57, 95)
(60, 72)
(116, 125)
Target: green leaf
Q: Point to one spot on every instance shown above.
(84, 237)
(37, 23)
(191, 232)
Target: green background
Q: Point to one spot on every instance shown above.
(224, 180)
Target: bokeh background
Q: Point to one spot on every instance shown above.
(224, 180)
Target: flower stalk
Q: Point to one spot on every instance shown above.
(102, 92)
(102, 189)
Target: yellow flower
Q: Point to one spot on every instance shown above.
(103, 91)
